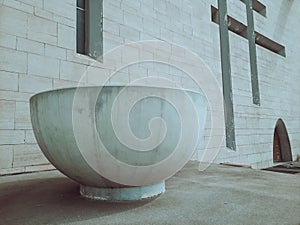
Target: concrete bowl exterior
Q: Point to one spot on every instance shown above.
(68, 145)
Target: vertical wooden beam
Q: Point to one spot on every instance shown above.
(226, 75)
(252, 53)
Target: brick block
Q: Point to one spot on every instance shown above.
(65, 21)
(42, 167)
(14, 96)
(22, 116)
(111, 41)
(43, 66)
(13, 61)
(33, 84)
(19, 5)
(160, 6)
(145, 36)
(116, 3)
(6, 156)
(147, 9)
(7, 171)
(132, 20)
(119, 79)
(43, 38)
(7, 40)
(71, 71)
(97, 75)
(61, 8)
(173, 11)
(55, 52)
(111, 26)
(43, 13)
(113, 13)
(155, 32)
(35, 3)
(42, 30)
(131, 5)
(8, 137)
(8, 81)
(129, 33)
(29, 137)
(27, 155)
(7, 112)
(13, 21)
(30, 46)
(66, 37)
(253, 158)
(63, 83)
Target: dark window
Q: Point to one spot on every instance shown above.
(81, 27)
(90, 28)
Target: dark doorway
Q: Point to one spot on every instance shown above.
(281, 143)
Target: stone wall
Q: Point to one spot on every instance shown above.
(37, 53)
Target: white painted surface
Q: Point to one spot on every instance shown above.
(37, 52)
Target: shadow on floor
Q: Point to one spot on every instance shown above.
(33, 201)
(219, 195)
(286, 167)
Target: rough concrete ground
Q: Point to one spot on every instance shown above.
(220, 195)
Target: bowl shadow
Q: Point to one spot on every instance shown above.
(53, 200)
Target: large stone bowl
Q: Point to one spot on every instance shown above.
(68, 124)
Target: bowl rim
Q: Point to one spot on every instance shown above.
(199, 92)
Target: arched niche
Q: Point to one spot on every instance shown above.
(281, 143)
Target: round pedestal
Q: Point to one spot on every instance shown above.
(123, 194)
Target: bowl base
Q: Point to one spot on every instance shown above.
(123, 194)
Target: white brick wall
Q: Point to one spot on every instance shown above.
(13, 21)
(19, 5)
(62, 8)
(7, 156)
(43, 66)
(55, 52)
(7, 114)
(13, 61)
(64, 34)
(71, 71)
(42, 30)
(8, 81)
(27, 45)
(29, 83)
(8, 137)
(22, 116)
(8, 41)
(28, 155)
(37, 53)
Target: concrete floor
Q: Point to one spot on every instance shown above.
(220, 195)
